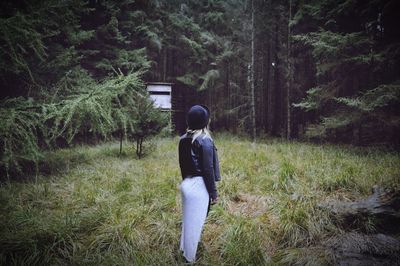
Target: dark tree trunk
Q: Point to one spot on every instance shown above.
(252, 81)
(289, 77)
(120, 142)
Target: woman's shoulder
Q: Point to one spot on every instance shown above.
(205, 140)
(183, 136)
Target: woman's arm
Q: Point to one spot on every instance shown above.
(207, 152)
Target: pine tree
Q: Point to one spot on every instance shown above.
(350, 60)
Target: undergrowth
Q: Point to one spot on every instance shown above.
(93, 206)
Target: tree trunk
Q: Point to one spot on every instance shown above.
(271, 86)
(229, 100)
(120, 142)
(138, 147)
(165, 53)
(267, 85)
(141, 148)
(276, 114)
(289, 76)
(252, 85)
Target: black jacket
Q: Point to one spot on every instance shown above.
(200, 158)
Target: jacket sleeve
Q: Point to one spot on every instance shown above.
(216, 165)
(207, 156)
(182, 161)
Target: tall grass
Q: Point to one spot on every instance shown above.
(92, 206)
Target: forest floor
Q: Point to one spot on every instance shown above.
(91, 206)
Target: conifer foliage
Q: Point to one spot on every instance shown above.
(120, 105)
(356, 55)
(71, 71)
(99, 110)
(20, 122)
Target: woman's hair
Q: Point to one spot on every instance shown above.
(197, 132)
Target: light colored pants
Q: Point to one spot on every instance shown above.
(195, 201)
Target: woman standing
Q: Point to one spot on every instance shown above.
(199, 165)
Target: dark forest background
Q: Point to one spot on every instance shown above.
(310, 69)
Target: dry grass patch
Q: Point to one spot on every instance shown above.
(249, 205)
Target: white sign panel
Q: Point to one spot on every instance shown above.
(161, 95)
(159, 88)
(161, 101)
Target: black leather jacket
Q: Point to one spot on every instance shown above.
(200, 158)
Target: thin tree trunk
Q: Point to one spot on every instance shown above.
(165, 51)
(229, 100)
(267, 85)
(289, 77)
(276, 115)
(120, 143)
(141, 147)
(271, 84)
(252, 85)
(137, 147)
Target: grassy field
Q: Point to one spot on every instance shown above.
(93, 207)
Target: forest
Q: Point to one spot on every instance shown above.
(316, 70)
(282, 78)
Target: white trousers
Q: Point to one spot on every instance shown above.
(195, 200)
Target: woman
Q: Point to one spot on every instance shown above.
(199, 165)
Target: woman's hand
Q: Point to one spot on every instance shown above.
(214, 201)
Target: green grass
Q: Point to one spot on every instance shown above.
(94, 207)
